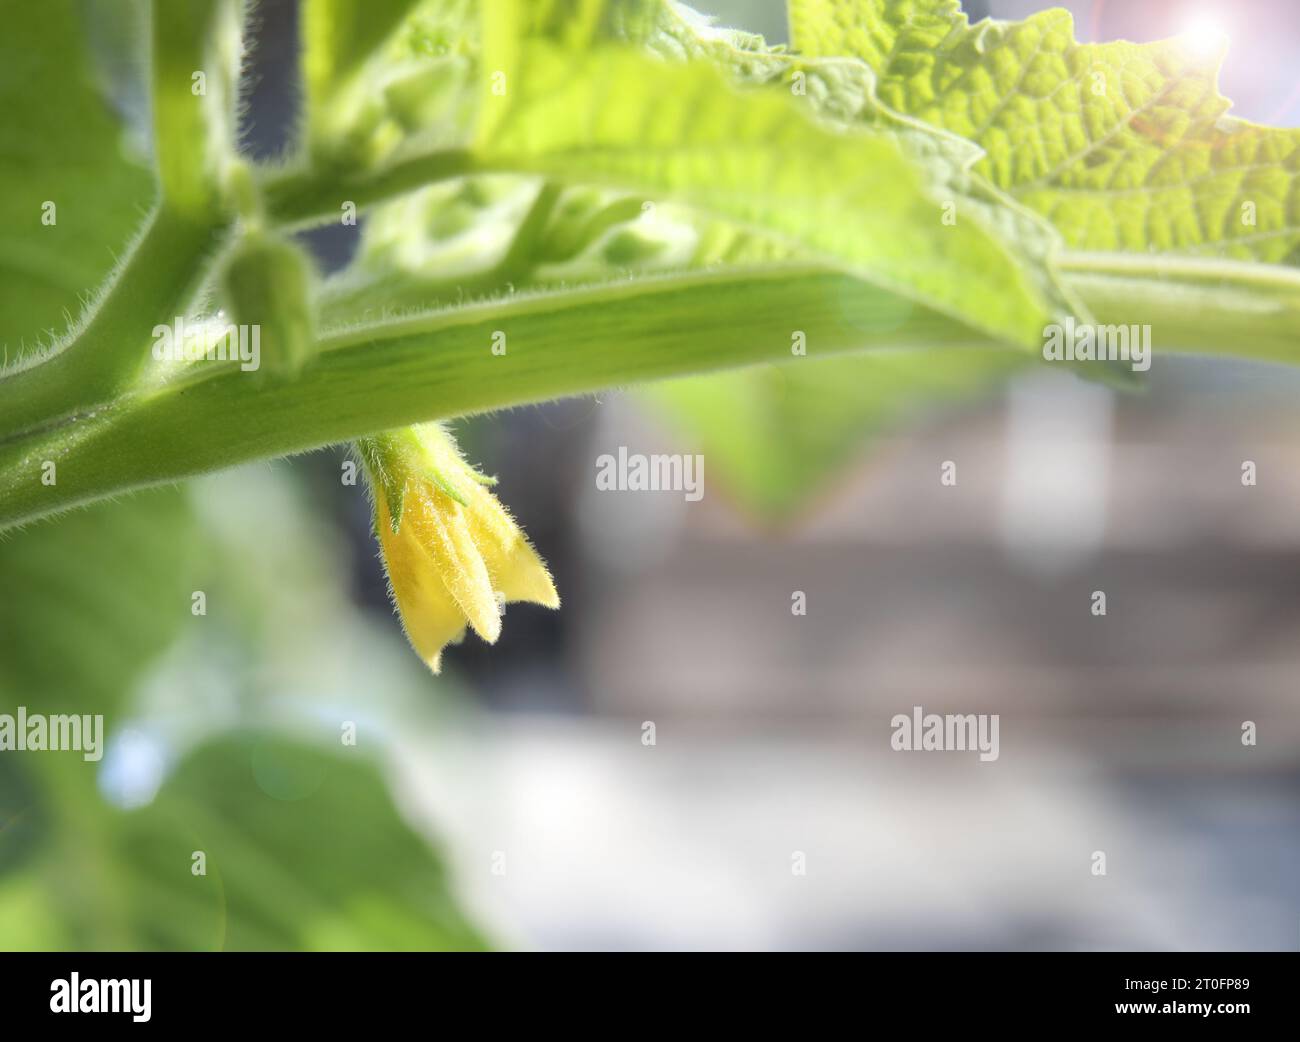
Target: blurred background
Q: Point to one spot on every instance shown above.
(512, 802)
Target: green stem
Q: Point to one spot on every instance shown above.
(108, 350)
(161, 274)
(1205, 306)
(296, 196)
(193, 134)
(517, 262)
(442, 365)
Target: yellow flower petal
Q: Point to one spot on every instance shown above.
(518, 573)
(430, 615)
(440, 524)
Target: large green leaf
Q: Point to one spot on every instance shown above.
(300, 849)
(304, 850)
(1123, 146)
(568, 101)
(59, 144)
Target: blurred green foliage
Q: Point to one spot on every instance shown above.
(304, 847)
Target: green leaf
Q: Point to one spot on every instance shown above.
(1123, 146)
(60, 145)
(304, 850)
(564, 101)
(778, 435)
(91, 598)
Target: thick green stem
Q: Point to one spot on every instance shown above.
(443, 365)
(1194, 305)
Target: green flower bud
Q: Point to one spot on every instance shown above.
(268, 285)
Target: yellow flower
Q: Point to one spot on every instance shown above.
(453, 553)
